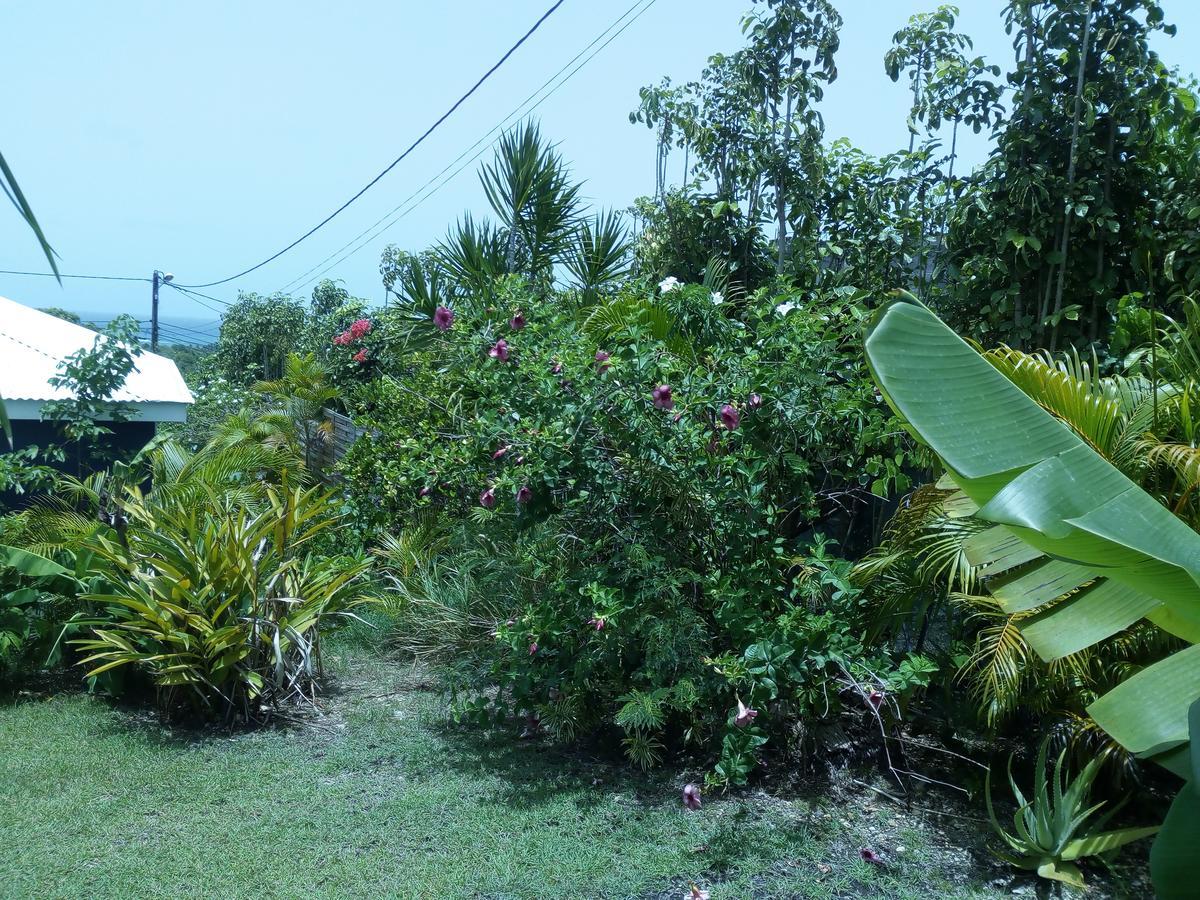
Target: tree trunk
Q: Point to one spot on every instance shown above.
(1066, 234)
(1094, 324)
(1019, 306)
(784, 158)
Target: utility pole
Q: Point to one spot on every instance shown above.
(157, 279)
(154, 312)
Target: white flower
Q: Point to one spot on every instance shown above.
(668, 284)
(784, 308)
(717, 298)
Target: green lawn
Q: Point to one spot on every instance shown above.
(379, 797)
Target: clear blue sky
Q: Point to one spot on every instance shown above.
(199, 138)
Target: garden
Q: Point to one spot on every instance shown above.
(826, 525)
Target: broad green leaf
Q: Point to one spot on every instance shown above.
(29, 564)
(20, 597)
(1148, 713)
(998, 550)
(1038, 584)
(1173, 856)
(1053, 495)
(1105, 841)
(1095, 613)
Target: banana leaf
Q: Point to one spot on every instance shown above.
(1074, 539)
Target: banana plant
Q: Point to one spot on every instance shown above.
(1072, 539)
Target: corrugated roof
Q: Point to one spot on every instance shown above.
(33, 343)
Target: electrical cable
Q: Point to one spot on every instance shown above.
(196, 295)
(91, 277)
(517, 111)
(397, 160)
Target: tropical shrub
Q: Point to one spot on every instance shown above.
(200, 573)
(35, 594)
(627, 485)
(219, 604)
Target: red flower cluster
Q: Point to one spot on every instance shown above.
(356, 332)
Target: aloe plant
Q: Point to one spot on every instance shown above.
(1051, 828)
(1073, 539)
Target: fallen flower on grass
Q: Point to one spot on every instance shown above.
(691, 796)
(870, 856)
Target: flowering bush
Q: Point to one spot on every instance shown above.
(636, 480)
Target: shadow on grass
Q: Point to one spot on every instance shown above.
(527, 773)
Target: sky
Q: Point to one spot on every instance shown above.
(199, 139)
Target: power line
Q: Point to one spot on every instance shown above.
(396, 161)
(183, 329)
(185, 339)
(199, 331)
(196, 295)
(179, 338)
(90, 277)
(475, 156)
(515, 112)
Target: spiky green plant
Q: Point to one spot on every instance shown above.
(598, 256)
(1051, 829)
(219, 604)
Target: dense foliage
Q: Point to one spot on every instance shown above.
(633, 486)
(628, 475)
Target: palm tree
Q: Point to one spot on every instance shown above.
(474, 255)
(296, 417)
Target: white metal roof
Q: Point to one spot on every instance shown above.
(33, 343)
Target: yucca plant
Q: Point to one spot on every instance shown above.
(1051, 829)
(474, 255)
(217, 603)
(598, 257)
(529, 187)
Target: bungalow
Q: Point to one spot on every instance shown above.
(33, 343)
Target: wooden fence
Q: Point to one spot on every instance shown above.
(344, 433)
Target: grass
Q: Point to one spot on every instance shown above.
(379, 797)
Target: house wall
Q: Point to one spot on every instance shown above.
(127, 438)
